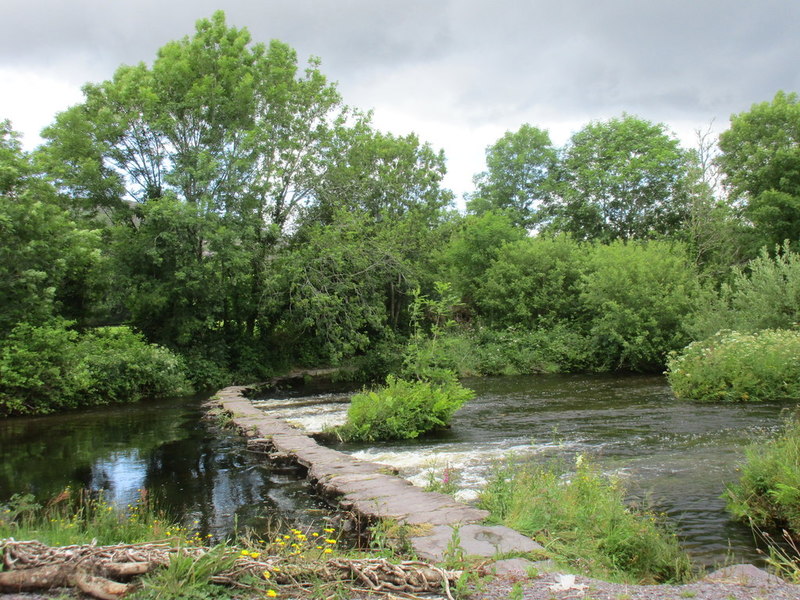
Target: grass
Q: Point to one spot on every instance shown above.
(767, 495)
(582, 519)
(80, 516)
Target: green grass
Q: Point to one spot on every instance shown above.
(79, 516)
(583, 520)
(767, 495)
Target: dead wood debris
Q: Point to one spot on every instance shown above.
(108, 572)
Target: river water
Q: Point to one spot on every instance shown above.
(203, 476)
(674, 456)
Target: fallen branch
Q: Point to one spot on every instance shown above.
(105, 572)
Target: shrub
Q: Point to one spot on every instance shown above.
(637, 297)
(123, 367)
(403, 409)
(763, 295)
(768, 492)
(732, 366)
(583, 519)
(52, 367)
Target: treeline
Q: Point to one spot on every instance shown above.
(221, 215)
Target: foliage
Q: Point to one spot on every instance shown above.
(582, 518)
(764, 294)
(621, 179)
(403, 409)
(636, 298)
(52, 367)
(761, 162)
(732, 367)
(519, 176)
(533, 283)
(80, 516)
(767, 495)
(46, 259)
(472, 248)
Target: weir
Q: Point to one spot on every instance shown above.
(373, 491)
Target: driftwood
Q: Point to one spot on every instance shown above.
(106, 572)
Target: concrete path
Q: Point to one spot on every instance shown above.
(374, 491)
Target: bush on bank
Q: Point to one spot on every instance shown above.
(767, 495)
(583, 519)
(52, 367)
(403, 409)
(732, 367)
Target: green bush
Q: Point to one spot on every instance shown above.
(123, 367)
(583, 519)
(637, 297)
(763, 295)
(403, 409)
(47, 368)
(768, 492)
(732, 366)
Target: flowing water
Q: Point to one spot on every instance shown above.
(677, 456)
(204, 477)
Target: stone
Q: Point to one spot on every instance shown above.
(475, 540)
(743, 574)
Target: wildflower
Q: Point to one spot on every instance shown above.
(245, 553)
(255, 554)
(315, 534)
(267, 574)
(276, 569)
(330, 541)
(328, 530)
(327, 550)
(272, 593)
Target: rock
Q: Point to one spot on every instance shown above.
(513, 567)
(475, 540)
(748, 575)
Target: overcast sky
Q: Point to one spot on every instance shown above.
(459, 73)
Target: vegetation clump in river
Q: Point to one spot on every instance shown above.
(583, 519)
(403, 409)
(735, 367)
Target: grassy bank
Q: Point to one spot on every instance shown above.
(582, 518)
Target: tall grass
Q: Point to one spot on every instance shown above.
(81, 516)
(767, 494)
(583, 519)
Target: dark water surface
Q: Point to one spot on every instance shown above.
(201, 475)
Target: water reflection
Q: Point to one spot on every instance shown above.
(198, 475)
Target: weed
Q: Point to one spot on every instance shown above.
(584, 521)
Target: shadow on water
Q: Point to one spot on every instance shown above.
(203, 476)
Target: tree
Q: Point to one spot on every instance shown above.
(761, 162)
(46, 260)
(620, 179)
(518, 178)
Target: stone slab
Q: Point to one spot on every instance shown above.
(476, 540)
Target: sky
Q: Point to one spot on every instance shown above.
(458, 73)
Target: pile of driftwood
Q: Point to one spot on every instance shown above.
(109, 572)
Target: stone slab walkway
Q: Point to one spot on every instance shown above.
(374, 491)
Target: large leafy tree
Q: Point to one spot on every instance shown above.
(47, 262)
(621, 179)
(761, 162)
(518, 176)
